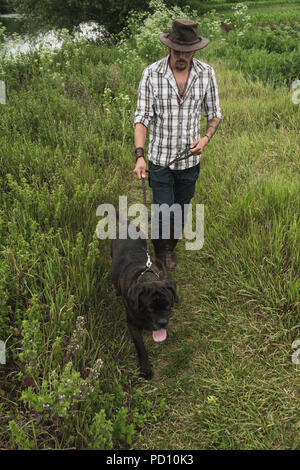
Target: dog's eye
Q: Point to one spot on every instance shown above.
(160, 306)
(146, 310)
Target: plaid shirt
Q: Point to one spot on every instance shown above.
(174, 126)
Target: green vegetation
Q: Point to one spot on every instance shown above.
(112, 14)
(224, 379)
(262, 48)
(254, 5)
(61, 156)
(6, 6)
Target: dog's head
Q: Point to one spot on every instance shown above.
(151, 304)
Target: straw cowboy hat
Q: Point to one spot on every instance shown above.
(183, 36)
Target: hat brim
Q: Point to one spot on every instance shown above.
(163, 37)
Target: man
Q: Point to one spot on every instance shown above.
(172, 94)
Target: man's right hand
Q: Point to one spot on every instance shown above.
(140, 168)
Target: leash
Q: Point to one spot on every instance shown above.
(177, 159)
(149, 262)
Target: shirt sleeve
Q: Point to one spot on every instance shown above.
(144, 111)
(211, 107)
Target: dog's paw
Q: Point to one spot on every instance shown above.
(146, 374)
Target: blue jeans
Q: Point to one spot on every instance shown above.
(172, 187)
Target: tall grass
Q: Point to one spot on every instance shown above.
(66, 140)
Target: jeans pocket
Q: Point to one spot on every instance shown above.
(190, 175)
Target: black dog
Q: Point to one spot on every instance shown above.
(147, 292)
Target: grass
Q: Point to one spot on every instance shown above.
(254, 6)
(261, 13)
(226, 369)
(224, 378)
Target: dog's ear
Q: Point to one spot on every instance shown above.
(171, 286)
(134, 293)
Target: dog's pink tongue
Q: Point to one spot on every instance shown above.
(159, 335)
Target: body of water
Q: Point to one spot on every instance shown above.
(52, 40)
(13, 23)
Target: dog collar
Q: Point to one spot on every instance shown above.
(148, 268)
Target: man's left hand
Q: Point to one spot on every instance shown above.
(198, 145)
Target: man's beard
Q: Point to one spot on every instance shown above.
(181, 64)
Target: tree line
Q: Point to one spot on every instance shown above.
(56, 13)
(5, 6)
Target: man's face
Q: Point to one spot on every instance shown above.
(180, 60)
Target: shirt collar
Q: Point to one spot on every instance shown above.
(166, 71)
